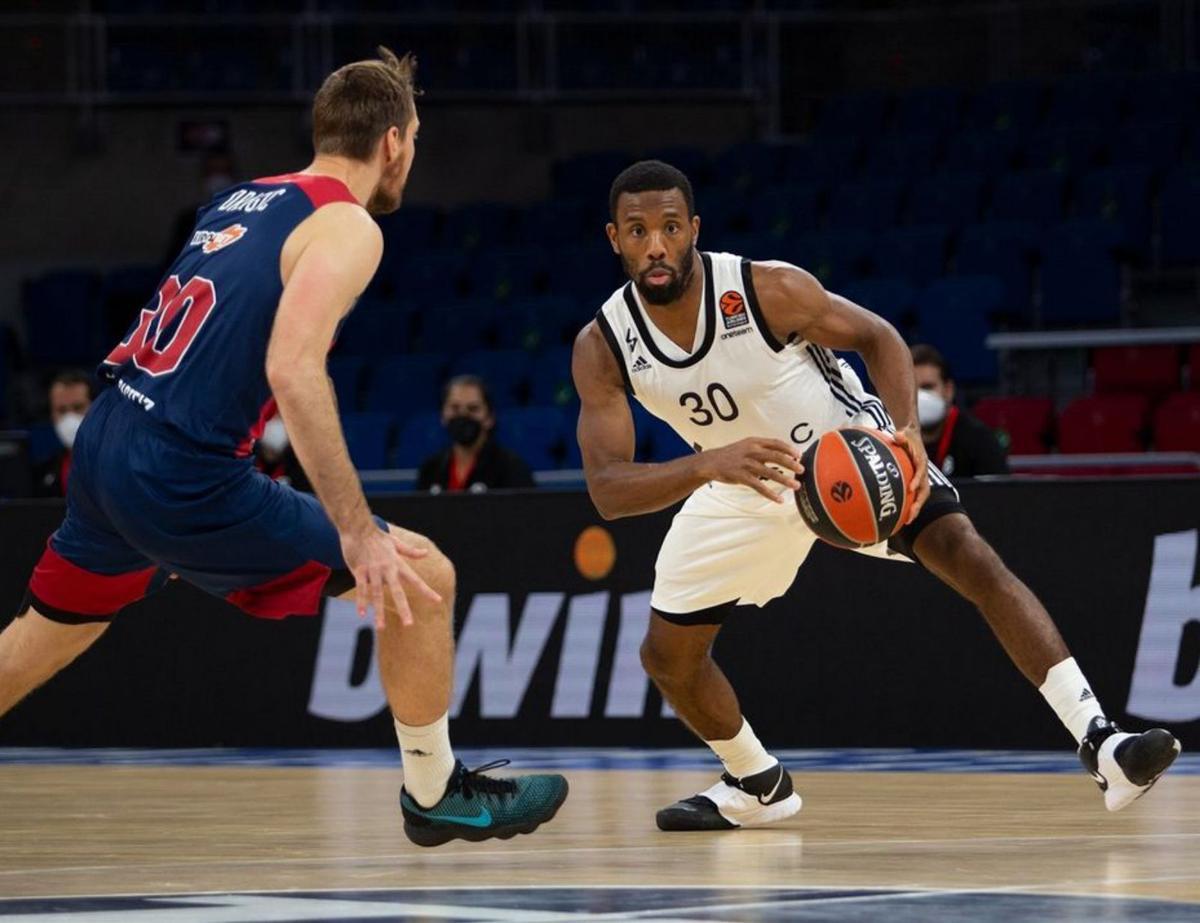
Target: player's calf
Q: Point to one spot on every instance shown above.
(33, 648)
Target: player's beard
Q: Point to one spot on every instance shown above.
(681, 278)
(384, 200)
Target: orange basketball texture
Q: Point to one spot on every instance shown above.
(854, 490)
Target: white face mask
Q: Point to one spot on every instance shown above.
(67, 426)
(274, 437)
(931, 408)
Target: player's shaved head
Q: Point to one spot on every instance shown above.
(650, 176)
(359, 102)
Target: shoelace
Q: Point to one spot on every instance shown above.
(473, 780)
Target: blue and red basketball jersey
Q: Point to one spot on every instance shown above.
(194, 359)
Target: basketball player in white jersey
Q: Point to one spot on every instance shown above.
(735, 356)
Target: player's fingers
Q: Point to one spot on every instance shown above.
(752, 480)
(360, 591)
(785, 460)
(375, 592)
(413, 579)
(778, 445)
(399, 600)
(780, 477)
(409, 551)
(920, 495)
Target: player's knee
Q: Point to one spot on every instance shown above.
(437, 570)
(665, 664)
(968, 560)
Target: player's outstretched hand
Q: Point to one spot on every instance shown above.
(754, 463)
(909, 439)
(379, 562)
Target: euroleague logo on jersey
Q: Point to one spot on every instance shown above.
(733, 310)
(212, 241)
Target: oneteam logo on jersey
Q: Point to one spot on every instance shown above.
(212, 241)
(733, 310)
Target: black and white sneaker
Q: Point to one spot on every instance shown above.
(1124, 765)
(762, 798)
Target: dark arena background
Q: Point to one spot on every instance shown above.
(1015, 184)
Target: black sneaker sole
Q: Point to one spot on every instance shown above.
(676, 819)
(437, 834)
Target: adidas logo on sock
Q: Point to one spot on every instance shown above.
(1087, 694)
(415, 752)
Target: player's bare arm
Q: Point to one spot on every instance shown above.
(618, 485)
(333, 256)
(794, 303)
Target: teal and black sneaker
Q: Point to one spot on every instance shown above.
(478, 807)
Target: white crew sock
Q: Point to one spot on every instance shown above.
(428, 759)
(743, 754)
(1068, 693)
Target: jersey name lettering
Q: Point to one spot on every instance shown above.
(246, 201)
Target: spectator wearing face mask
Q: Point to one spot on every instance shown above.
(273, 456)
(70, 397)
(474, 461)
(961, 445)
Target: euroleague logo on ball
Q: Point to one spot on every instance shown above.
(733, 310)
(841, 491)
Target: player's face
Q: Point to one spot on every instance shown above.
(656, 241)
(399, 150)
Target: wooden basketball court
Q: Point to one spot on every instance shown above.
(285, 842)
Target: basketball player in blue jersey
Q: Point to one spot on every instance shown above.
(736, 357)
(163, 481)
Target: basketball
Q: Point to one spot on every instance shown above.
(854, 490)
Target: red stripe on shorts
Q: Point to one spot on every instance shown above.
(297, 592)
(69, 588)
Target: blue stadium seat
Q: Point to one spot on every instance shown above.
(406, 384)
(787, 210)
(1092, 100)
(748, 165)
(904, 155)
(413, 227)
(934, 109)
(130, 287)
(862, 114)
(982, 151)
(953, 315)
(950, 198)
(368, 436)
(346, 373)
(822, 160)
(534, 433)
(1121, 196)
(662, 443)
(589, 176)
(1004, 249)
(1030, 195)
(1081, 281)
(506, 372)
(589, 274)
(457, 325)
(1155, 144)
(1005, 108)
(891, 299)
(64, 322)
(482, 224)
(916, 254)
(502, 273)
(550, 378)
(564, 220)
(418, 275)
(1180, 198)
(692, 161)
(869, 204)
(375, 329)
(834, 257)
(1163, 97)
(421, 435)
(540, 321)
(725, 211)
(1066, 150)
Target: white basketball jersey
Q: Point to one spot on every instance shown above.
(738, 380)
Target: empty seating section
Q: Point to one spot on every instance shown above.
(953, 213)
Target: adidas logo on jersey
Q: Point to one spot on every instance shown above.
(640, 364)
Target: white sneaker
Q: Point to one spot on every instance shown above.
(763, 798)
(1124, 765)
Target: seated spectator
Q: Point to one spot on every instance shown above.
(274, 457)
(962, 445)
(70, 398)
(475, 461)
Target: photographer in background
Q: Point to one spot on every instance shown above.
(70, 397)
(962, 445)
(475, 461)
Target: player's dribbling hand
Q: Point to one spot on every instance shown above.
(754, 463)
(379, 562)
(909, 439)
